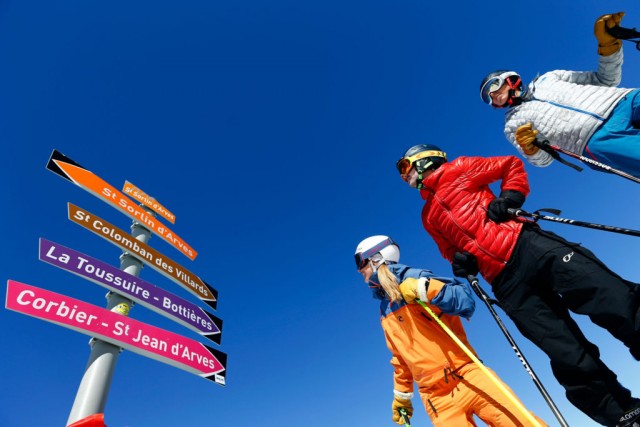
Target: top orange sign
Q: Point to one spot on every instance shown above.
(72, 171)
(139, 195)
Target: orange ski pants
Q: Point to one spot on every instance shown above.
(453, 401)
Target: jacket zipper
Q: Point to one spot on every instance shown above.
(577, 110)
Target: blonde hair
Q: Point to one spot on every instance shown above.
(389, 283)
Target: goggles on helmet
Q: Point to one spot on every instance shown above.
(363, 257)
(405, 164)
(495, 84)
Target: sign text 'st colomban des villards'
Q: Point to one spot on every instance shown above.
(145, 253)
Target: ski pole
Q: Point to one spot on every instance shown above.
(405, 417)
(554, 149)
(483, 368)
(475, 285)
(629, 34)
(546, 147)
(537, 215)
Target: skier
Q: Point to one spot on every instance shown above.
(581, 112)
(536, 275)
(451, 385)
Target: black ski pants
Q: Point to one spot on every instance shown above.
(546, 277)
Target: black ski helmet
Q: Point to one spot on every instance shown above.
(494, 81)
(423, 157)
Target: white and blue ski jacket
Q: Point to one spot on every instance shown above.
(567, 107)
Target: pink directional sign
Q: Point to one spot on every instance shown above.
(144, 293)
(118, 330)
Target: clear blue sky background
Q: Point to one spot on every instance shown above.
(271, 130)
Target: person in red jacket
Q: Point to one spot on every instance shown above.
(537, 276)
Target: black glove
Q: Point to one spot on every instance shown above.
(464, 264)
(497, 210)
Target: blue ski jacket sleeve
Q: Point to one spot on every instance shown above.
(453, 298)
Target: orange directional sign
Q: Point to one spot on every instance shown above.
(72, 171)
(145, 253)
(134, 192)
(119, 330)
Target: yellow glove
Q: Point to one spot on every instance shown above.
(525, 137)
(413, 289)
(395, 407)
(607, 44)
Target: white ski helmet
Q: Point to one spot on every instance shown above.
(381, 249)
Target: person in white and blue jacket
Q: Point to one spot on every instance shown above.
(582, 112)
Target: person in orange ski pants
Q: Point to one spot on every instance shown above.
(452, 387)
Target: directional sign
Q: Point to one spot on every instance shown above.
(134, 192)
(72, 171)
(145, 253)
(144, 293)
(119, 330)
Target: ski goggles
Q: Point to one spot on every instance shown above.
(405, 164)
(363, 257)
(493, 85)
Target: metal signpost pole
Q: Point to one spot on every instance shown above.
(91, 397)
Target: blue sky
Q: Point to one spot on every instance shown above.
(271, 129)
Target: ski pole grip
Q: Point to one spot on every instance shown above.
(623, 33)
(405, 418)
(539, 143)
(516, 212)
(545, 146)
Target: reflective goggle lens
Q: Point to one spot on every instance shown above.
(489, 87)
(363, 257)
(405, 164)
(493, 85)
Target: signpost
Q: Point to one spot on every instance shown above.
(139, 291)
(72, 171)
(134, 192)
(119, 330)
(93, 390)
(111, 329)
(146, 254)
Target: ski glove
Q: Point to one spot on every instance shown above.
(413, 289)
(525, 137)
(607, 44)
(395, 407)
(497, 210)
(464, 264)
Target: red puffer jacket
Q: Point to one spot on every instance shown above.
(456, 198)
